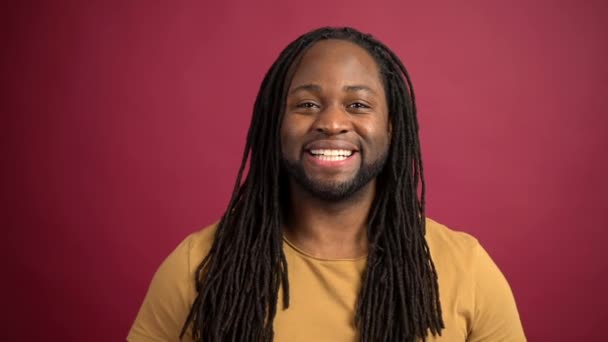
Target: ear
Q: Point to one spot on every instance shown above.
(390, 130)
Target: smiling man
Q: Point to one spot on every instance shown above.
(326, 239)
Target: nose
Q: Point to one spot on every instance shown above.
(332, 120)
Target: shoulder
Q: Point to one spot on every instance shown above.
(457, 256)
(171, 291)
(470, 281)
(448, 243)
(188, 254)
(199, 243)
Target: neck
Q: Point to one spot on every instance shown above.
(330, 230)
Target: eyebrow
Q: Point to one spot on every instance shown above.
(310, 87)
(355, 88)
(316, 88)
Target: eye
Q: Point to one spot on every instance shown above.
(358, 105)
(307, 105)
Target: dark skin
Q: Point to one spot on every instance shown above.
(335, 102)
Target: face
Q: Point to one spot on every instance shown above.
(335, 132)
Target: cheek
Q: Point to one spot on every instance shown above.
(388, 132)
(290, 136)
(376, 131)
(284, 140)
(385, 131)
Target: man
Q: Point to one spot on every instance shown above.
(326, 239)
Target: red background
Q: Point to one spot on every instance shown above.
(124, 123)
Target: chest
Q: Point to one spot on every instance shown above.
(323, 299)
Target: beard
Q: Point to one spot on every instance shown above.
(334, 191)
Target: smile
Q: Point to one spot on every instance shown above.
(330, 155)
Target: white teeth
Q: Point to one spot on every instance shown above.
(330, 158)
(339, 153)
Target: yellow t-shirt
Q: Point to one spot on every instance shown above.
(476, 300)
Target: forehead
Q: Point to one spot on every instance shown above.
(337, 62)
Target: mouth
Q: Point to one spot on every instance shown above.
(331, 154)
(329, 150)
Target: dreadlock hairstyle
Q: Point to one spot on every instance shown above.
(238, 281)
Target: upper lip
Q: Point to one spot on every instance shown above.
(331, 145)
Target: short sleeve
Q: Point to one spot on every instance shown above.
(495, 317)
(168, 300)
